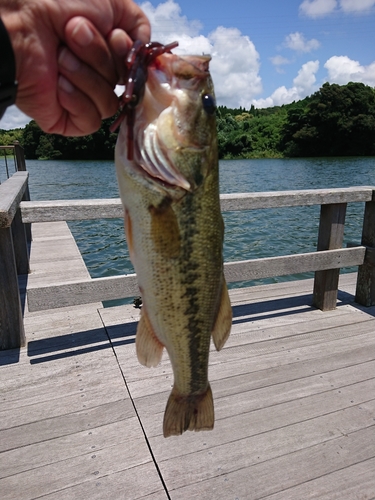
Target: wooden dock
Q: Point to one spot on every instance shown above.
(294, 392)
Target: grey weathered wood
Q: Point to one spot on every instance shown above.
(274, 199)
(109, 288)
(20, 246)
(292, 264)
(48, 211)
(331, 234)
(61, 210)
(20, 157)
(11, 193)
(82, 292)
(293, 394)
(21, 167)
(12, 333)
(365, 293)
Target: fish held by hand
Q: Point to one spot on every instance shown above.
(169, 186)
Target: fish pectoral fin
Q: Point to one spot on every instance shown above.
(193, 413)
(223, 323)
(148, 346)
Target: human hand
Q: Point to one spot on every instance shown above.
(69, 56)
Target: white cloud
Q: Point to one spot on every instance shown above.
(303, 85)
(167, 22)
(13, 118)
(279, 61)
(296, 41)
(235, 61)
(305, 81)
(320, 8)
(317, 8)
(234, 67)
(342, 69)
(356, 5)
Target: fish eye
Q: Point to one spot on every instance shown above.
(209, 104)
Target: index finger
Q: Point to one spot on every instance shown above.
(134, 21)
(89, 45)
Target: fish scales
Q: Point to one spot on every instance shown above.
(175, 238)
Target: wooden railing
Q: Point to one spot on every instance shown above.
(326, 262)
(16, 151)
(14, 256)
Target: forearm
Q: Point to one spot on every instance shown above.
(8, 85)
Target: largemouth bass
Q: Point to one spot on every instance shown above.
(174, 230)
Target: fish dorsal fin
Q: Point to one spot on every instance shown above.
(223, 323)
(149, 348)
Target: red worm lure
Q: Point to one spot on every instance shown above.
(137, 62)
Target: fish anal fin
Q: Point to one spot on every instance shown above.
(223, 322)
(192, 412)
(148, 346)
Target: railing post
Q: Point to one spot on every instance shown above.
(365, 291)
(12, 333)
(21, 251)
(20, 157)
(331, 235)
(21, 167)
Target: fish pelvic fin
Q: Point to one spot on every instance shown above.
(223, 322)
(148, 346)
(192, 412)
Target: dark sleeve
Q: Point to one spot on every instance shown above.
(8, 85)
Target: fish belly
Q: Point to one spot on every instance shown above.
(176, 249)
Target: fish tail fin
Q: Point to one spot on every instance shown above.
(193, 413)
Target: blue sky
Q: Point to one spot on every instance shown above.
(267, 52)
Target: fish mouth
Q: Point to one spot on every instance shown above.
(170, 80)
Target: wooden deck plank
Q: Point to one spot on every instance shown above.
(231, 456)
(54, 255)
(293, 391)
(77, 470)
(47, 420)
(68, 428)
(276, 477)
(139, 482)
(259, 340)
(290, 381)
(336, 485)
(67, 446)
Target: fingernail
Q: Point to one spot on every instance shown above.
(65, 85)
(82, 34)
(68, 61)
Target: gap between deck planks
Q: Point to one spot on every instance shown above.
(68, 428)
(294, 400)
(293, 391)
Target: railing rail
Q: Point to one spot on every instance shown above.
(326, 262)
(111, 208)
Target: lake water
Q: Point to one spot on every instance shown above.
(248, 235)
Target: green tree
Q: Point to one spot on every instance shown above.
(338, 121)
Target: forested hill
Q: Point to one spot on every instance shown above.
(338, 120)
